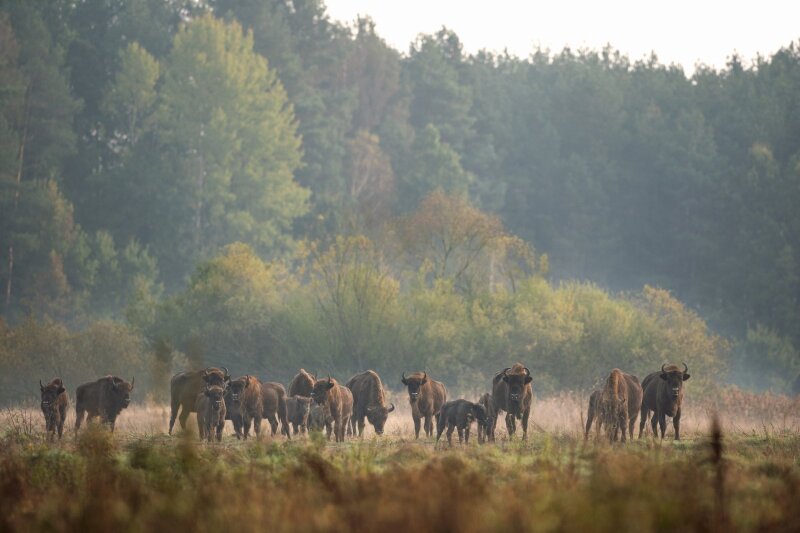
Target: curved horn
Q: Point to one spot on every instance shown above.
(205, 372)
(403, 377)
(329, 378)
(133, 380)
(226, 371)
(391, 408)
(424, 375)
(40, 384)
(505, 370)
(662, 368)
(527, 372)
(685, 368)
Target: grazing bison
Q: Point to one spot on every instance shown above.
(210, 407)
(663, 394)
(595, 411)
(273, 398)
(338, 401)
(459, 414)
(185, 386)
(302, 384)
(298, 409)
(245, 400)
(426, 397)
(486, 430)
(54, 406)
(105, 398)
(319, 418)
(369, 400)
(512, 393)
(621, 400)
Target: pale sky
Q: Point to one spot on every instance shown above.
(679, 31)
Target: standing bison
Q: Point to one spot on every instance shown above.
(620, 401)
(246, 404)
(54, 407)
(210, 407)
(663, 394)
(273, 398)
(486, 430)
(298, 409)
(426, 397)
(184, 388)
(106, 398)
(302, 384)
(337, 401)
(369, 400)
(512, 392)
(595, 411)
(459, 414)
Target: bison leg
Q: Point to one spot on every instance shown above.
(525, 415)
(220, 428)
(273, 423)
(460, 435)
(428, 425)
(645, 412)
(417, 424)
(361, 424)
(676, 423)
(79, 418)
(450, 428)
(257, 426)
(662, 422)
(511, 425)
(589, 419)
(328, 429)
(183, 417)
(173, 412)
(466, 434)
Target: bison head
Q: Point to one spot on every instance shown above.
(674, 378)
(414, 384)
(516, 385)
(377, 415)
(121, 391)
(50, 393)
(216, 395)
(215, 376)
(320, 391)
(479, 413)
(236, 390)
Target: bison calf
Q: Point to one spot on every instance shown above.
(210, 407)
(339, 402)
(459, 414)
(486, 430)
(298, 409)
(319, 418)
(54, 407)
(106, 398)
(273, 397)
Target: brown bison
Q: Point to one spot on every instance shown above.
(106, 398)
(273, 398)
(302, 384)
(54, 406)
(621, 400)
(320, 418)
(369, 400)
(246, 403)
(210, 407)
(594, 411)
(426, 397)
(298, 409)
(663, 394)
(459, 414)
(512, 393)
(486, 430)
(185, 386)
(338, 402)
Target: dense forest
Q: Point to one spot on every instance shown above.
(248, 181)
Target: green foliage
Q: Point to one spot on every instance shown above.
(766, 361)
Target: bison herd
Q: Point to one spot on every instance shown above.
(309, 403)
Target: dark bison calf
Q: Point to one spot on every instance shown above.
(184, 388)
(273, 397)
(338, 401)
(298, 409)
(486, 430)
(319, 418)
(106, 398)
(426, 397)
(459, 414)
(663, 394)
(210, 407)
(594, 411)
(54, 407)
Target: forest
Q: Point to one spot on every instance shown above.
(196, 182)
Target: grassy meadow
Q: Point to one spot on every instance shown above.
(140, 479)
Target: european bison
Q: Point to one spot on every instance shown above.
(273, 398)
(298, 409)
(105, 398)
(459, 414)
(663, 394)
(54, 407)
(512, 392)
(210, 407)
(338, 401)
(486, 430)
(621, 400)
(426, 397)
(594, 411)
(245, 395)
(184, 388)
(319, 418)
(369, 400)
(302, 384)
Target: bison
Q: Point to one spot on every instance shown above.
(302, 384)
(246, 403)
(594, 411)
(273, 398)
(663, 394)
(621, 400)
(319, 418)
(54, 407)
(298, 409)
(369, 400)
(512, 393)
(210, 407)
(106, 398)
(337, 401)
(459, 414)
(486, 430)
(426, 397)
(185, 386)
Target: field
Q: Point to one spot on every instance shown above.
(140, 479)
